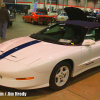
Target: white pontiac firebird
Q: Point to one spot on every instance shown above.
(50, 57)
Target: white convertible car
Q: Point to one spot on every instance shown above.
(50, 57)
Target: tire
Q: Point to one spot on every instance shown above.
(24, 20)
(11, 24)
(53, 20)
(45, 23)
(60, 76)
(32, 21)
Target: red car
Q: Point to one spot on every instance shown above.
(36, 17)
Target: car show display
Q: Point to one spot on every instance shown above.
(12, 19)
(36, 17)
(51, 56)
(62, 17)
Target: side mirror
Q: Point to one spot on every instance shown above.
(88, 42)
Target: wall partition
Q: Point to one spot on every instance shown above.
(58, 4)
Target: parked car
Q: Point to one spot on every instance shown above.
(11, 19)
(50, 57)
(62, 17)
(36, 17)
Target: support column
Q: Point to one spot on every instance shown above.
(45, 1)
(50, 7)
(63, 4)
(32, 4)
(15, 1)
(85, 5)
(58, 4)
(66, 3)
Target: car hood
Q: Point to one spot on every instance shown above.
(26, 47)
(75, 13)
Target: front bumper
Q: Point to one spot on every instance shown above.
(9, 73)
(35, 83)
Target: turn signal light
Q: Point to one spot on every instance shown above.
(27, 78)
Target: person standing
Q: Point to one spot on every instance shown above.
(25, 10)
(11, 10)
(4, 18)
(14, 11)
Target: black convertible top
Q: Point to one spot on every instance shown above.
(82, 23)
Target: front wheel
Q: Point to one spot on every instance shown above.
(24, 20)
(45, 23)
(10, 24)
(32, 21)
(53, 20)
(60, 76)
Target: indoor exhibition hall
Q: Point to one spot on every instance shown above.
(50, 49)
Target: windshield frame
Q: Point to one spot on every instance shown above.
(57, 42)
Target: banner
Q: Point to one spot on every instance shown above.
(35, 6)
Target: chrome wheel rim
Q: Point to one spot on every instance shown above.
(62, 76)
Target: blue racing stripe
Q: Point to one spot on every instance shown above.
(5, 54)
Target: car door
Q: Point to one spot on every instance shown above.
(61, 17)
(96, 47)
(91, 53)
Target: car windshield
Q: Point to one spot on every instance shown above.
(63, 14)
(61, 34)
(40, 14)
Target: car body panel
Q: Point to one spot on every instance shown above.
(62, 17)
(75, 13)
(37, 17)
(30, 57)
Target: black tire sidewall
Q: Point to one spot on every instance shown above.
(32, 21)
(52, 77)
(24, 20)
(11, 24)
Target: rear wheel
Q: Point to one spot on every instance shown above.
(45, 23)
(60, 76)
(53, 20)
(24, 20)
(10, 24)
(32, 21)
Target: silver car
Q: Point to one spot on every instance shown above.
(62, 17)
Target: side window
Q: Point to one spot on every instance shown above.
(90, 35)
(97, 34)
(93, 34)
(62, 14)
